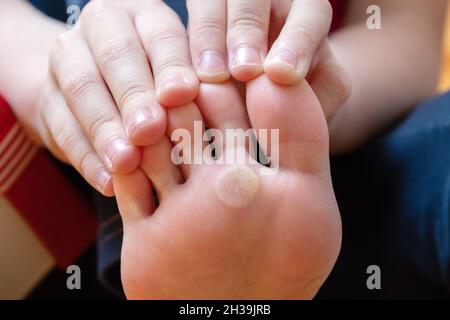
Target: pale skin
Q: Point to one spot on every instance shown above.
(102, 139)
(271, 239)
(391, 70)
(376, 101)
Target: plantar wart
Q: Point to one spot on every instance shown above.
(236, 186)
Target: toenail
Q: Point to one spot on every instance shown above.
(236, 186)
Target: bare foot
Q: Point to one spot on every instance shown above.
(227, 231)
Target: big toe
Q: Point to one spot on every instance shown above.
(297, 115)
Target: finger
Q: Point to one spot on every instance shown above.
(329, 81)
(158, 165)
(124, 66)
(207, 37)
(44, 131)
(134, 196)
(69, 137)
(186, 129)
(278, 16)
(89, 100)
(307, 25)
(165, 41)
(248, 27)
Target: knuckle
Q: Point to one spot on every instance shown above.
(82, 161)
(62, 44)
(67, 138)
(163, 34)
(117, 49)
(169, 63)
(78, 85)
(210, 35)
(250, 18)
(132, 91)
(305, 35)
(99, 123)
(207, 27)
(61, 41)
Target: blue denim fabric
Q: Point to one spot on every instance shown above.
(394, 197)
(416, 160)
(53, 8)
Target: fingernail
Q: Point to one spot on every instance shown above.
(246, 56)
(286, 56)
(172, 80)
(140, 117)
(212, 62)
(102, 179)
(115, 148)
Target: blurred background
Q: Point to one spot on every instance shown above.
(445, 78)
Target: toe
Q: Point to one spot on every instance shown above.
(159, 166)
(297, 115)
(134, 196)
(186, 128)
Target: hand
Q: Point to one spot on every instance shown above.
(226, 231)
(101, 101)
(285, 39)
